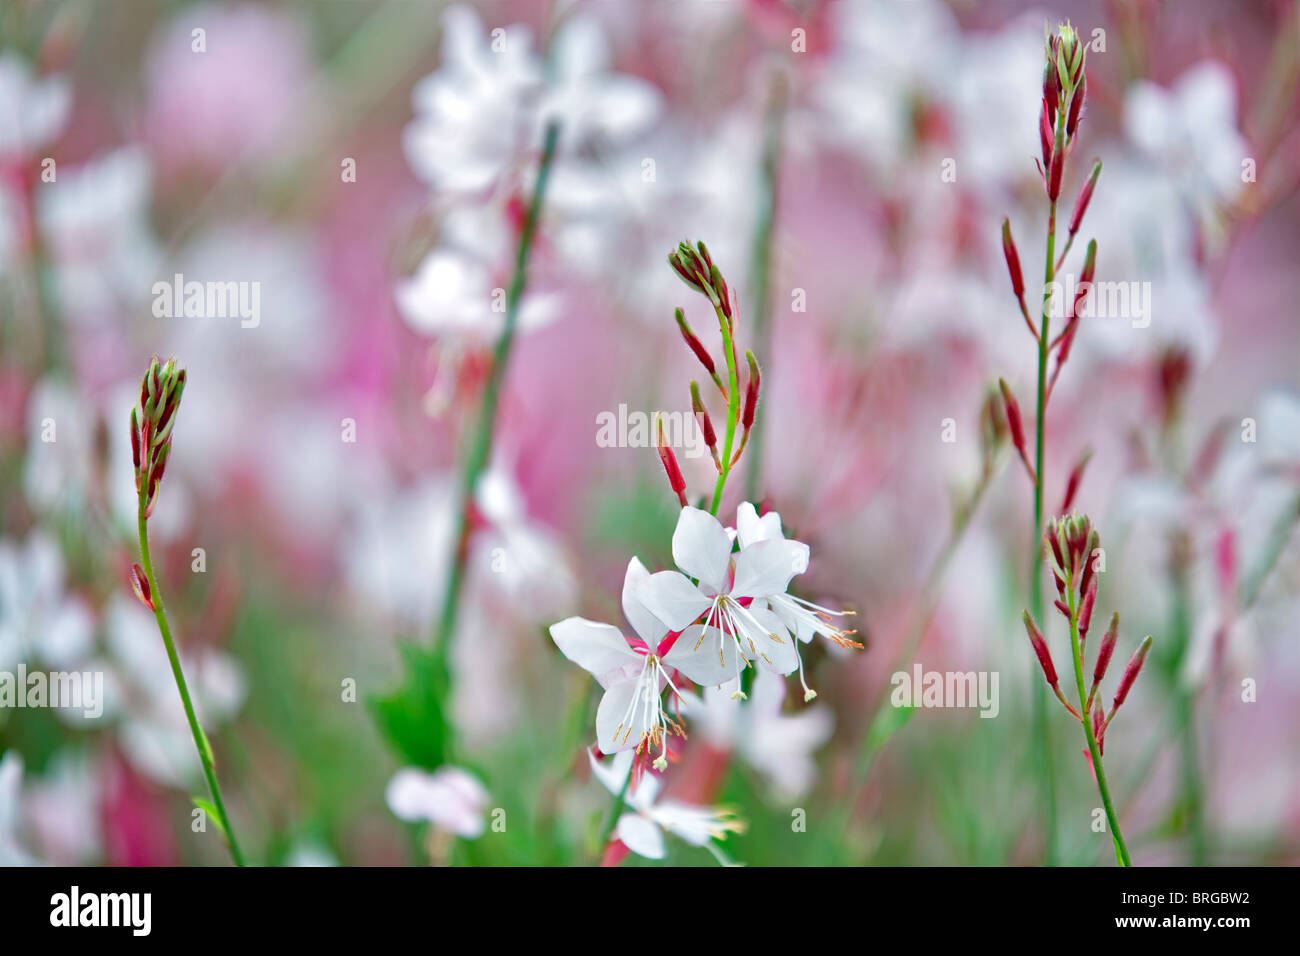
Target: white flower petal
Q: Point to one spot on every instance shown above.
(766, 568)
(641, 836)
(624, 715)
(753, 529)
(702, 548)
(613, 772)
(765, 639)
(597, 648)
(672, 598)
(647, 626)
(705, 655)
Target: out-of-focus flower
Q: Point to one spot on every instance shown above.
(60, 447)
(450, 798)
(32, 111)
(11, 782)
(642, 829)
(154, 733)
(63, 809)
(95, 222)
(779, 746)
(487, 102)
(1190, 132)
(38, 620)
(635, 670)
(242, 96)
(459, 288)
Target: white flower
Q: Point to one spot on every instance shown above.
(11, 782)
(642, 830)
(742, 597)
(490, 97)
(450, 798)
(802, 618)
(97, 226)
(779, 746)
(155, 733)
(37, 619)
(32, 112)
(1190, 130)
(471, 113)
(634, 671)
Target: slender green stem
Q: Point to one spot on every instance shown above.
(1041, 730)
(733, 410)
(481, 443)
(761, 265)
(1076, 655)
(200, 739)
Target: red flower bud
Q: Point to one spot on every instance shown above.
(1106, 650)
(1013, 259)
(1054, 171)
(751, 392)
(1076, 107)
(140, 584)
(135, 440)
(1040, 649)
(1131, 672)
(1072, 485)
(706, 423)
(1085, 607)
(1085, 196)
(695, 344)
(675, 479)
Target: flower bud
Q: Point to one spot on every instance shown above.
(1072, 484)
(1040, 649)
(1085, 196)
(1131, 672)
(1106, 650)
(695, 344)
(675, 479)
(1076, 107)
(751, 392)
(1013, 260)
(140, 584)
(702, 413)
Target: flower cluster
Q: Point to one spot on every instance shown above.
(151, 427)
(725, 607)
(696, 268)
(1073, 547)
(1064, 89)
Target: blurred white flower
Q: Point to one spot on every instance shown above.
(63, 808)
(11, 783)
(309, 853)
(38, 620)
(60, 447)
(876, 73)
(779, 746)
(154, 732)
(95, 220)
(642, 829)
(1190, 132)
(485, 105)
(459, 288)
(33, 110)
(472, 112)
(450, 798)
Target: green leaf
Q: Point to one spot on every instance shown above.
(414, 718)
